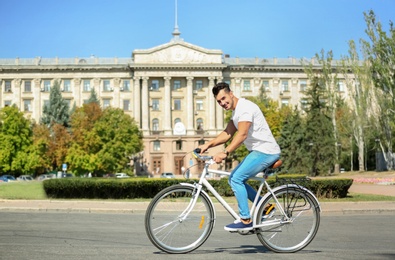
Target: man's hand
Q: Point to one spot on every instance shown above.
(219, 157)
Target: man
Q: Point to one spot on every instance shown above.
(252, 130)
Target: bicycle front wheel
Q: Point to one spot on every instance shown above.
(175, 226)
(288, 236)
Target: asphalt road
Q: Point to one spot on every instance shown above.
(44, 236)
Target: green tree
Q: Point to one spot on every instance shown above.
(380, 50)
(15, 142)
(120, 138)
(57, 111)
(93, 97)
(293, 144)
(319, 130)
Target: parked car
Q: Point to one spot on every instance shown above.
(25, 178)
(121, 175)
(45, 177)
(168, 175)
(7, 178)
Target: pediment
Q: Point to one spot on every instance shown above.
(177, 53)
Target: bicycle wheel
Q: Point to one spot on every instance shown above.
(292, 236)
(167, 226)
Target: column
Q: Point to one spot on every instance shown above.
(136, 98)
(219, 113)
(117, 95)
(77, 93)
(145, 107)
(36, 88)
(189, 106)
(167, 107)
(211, 107)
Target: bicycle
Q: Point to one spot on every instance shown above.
(180, 218)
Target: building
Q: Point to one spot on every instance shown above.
(167, 89)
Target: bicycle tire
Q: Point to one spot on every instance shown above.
(164, 226)
(302, 207)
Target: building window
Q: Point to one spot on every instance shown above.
(68, 102)
(7, 103)
(154, 85)
(199, 124)
(266, 86)
(199, 105)
(155, 124)
(201, 142)
(106, 103)
(28, 86)
(106, 85)
(340, 86)
(47, 85)
(246, 85)
(284, 102)
(177, 104)
(156, 145)
(155, 104)
(86, 85)
(303, 85)
(27, 105)
(67, 85)
(284, 85)
(7, 86)
(126, 85)
(46, 103)
(176, 85)
(126, 105)
(198, 84)
(179, 145)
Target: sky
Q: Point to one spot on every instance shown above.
(240, 28)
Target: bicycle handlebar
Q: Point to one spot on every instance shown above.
(196, 154)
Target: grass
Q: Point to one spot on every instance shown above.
(29, 190)
(34, 190)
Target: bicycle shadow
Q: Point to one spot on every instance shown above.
(242, 249)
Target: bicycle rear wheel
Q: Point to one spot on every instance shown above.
(166, 224)
(289, 237)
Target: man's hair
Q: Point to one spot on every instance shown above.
(222, 85)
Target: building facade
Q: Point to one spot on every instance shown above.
(166, 89)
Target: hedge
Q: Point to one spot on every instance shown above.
(100, 188)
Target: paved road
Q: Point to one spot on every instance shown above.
(50, 235)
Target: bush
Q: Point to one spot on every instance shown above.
(99, 188)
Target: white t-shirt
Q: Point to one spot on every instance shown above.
(260, 137)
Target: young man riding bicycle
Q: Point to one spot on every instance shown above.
(252, 130)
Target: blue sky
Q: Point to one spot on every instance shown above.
(242, 28)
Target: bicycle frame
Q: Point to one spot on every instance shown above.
(204, 182)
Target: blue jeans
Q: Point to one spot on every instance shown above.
(252, 164)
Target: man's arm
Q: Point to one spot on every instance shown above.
(222, 138)
(240, 137)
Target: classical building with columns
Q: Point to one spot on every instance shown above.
(167, 89)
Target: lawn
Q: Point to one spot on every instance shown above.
(30, 190)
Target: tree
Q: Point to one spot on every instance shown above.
(292, 141)
(120, 138)
(15, 141)
(326, 78)
(358, 81)
(380, 50)
(319, 129)
(57, 111)
(103, 141)
(93, 97)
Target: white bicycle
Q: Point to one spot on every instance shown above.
(180, 218)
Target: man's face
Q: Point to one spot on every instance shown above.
(225, 100)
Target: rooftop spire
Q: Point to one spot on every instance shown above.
(176, 33)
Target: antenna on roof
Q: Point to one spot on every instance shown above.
(176, 33)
